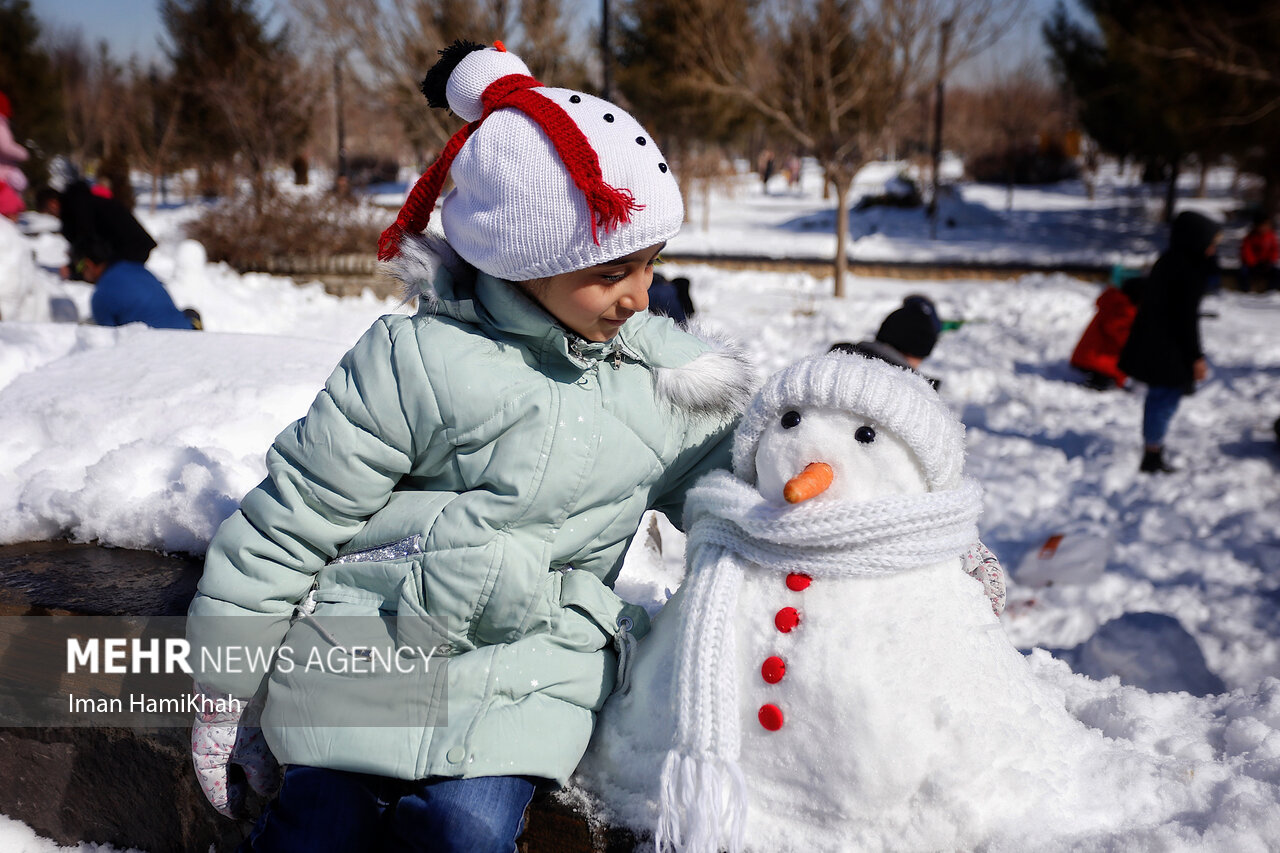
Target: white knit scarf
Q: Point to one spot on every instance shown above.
(732, 530)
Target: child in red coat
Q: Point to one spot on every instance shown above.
(1259, 254)
(1099, 348)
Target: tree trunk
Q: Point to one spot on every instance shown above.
(843, 184)
(1171, 191)
(1202, 186)
(686, 187)
(1271, 194)
(706, 205)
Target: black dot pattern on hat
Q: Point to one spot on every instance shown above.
(575, 99)
(662, 167)
(640, 140)
(608, 117)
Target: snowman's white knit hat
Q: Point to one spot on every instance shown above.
(546, 180)
(889, 396)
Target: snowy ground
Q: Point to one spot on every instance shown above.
(147, 439)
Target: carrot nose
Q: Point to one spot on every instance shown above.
(815, 479)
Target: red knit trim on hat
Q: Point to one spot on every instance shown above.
(416, 213)
(611, 207)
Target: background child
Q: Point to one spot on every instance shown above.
(905, 338)
(1163, 349)
(467, 483)
(12, 155)
(1098, 350)
(1259, 254)
(127, 292)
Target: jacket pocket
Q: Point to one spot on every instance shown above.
(595, 613)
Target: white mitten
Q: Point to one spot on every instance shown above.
(218, 742)
(981, 565)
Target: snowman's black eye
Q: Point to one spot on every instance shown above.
(865, 434)
(790, 419)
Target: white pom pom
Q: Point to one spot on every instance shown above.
(474, 74)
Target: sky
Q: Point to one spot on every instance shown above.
(133, 27)
(130, 27)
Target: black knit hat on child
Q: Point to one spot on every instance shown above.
(911, 329)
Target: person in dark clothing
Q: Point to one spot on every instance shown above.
(905, 337)
(1163, 349)
(670, 298)
(91, 220)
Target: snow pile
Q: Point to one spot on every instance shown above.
(139, 437)
(23, 296)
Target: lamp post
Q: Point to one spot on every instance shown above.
(340, 121)
(606, 60)
(944, 36)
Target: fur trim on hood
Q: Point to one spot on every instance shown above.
(420, 258)
(719, 381)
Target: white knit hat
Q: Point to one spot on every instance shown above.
(547, 181)
(897, 399)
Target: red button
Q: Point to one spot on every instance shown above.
(771, 717)
(786, 619)
(773, 669)
(797, 582)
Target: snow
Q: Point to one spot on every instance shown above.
(141, 438)
(17, 837)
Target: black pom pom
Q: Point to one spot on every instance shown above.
(433, 85)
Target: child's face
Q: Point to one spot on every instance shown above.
(596, 301)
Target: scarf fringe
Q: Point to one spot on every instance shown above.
(703, 800)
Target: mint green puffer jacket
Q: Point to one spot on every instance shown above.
(463, 490)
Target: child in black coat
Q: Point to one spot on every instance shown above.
(1163, 349)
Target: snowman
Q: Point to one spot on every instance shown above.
(827, 672)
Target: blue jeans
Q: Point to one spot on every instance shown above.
(1157, 412)
(321, 810)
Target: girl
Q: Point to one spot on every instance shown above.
(462, 493)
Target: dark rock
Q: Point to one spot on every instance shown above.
(92, 580)
(116, 786)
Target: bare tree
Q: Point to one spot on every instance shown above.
(266, 106)
(832, 75)
(394, 42)
(92, 86)
(243, 101)
(1234, 40)
(1018, 107)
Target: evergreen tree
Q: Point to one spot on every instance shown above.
(28, 78)
(241, 96)
(1161, 80)
(392, 44)
(660, 85)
